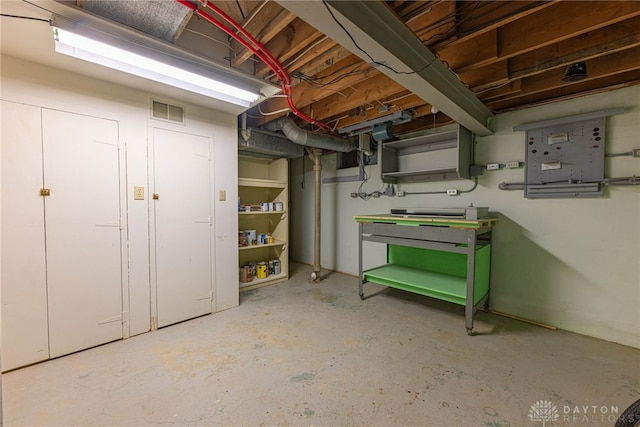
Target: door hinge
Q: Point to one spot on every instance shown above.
(45, 192)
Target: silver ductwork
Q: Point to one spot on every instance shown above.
(310, 139)
(262, 143)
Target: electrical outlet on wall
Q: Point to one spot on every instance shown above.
(512, 165)
(138, 192)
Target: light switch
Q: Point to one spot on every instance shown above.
(222, 195)
(138, 192)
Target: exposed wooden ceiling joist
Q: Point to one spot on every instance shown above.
(384, 39)
(508, 55)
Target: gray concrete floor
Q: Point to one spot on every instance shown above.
(299, 353)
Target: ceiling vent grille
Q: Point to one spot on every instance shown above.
(164, 111)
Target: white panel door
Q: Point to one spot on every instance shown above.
(182, 179)
(82, 217)
(24, 291)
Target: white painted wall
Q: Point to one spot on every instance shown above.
(574, 264)
(33, 84)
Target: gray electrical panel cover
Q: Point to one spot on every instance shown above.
(565, 158)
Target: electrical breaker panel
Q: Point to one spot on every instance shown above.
(565, 156)
(565, 160)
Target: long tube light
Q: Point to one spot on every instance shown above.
(90, 50)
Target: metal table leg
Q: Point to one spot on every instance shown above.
(471, 273)
(360, 288)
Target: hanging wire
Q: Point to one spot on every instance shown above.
(373, 61)
(6, 15)
(240, 9)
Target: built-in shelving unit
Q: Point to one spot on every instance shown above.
(439, 155)
(264, 181)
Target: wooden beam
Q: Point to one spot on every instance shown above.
(349, 71)
(479, 20)
(315, 54)
(585, 87)
(342, 75)
(375, 88)
(406, 102)
(292, 40)
(476, 52)
(231, 9)
(486, 77)
(486, 16)
(592, 44)
(561, 21)
(323, 61)
(410, 11)
(270, 21)
(437, 21)
(512, 88)
(604, 41)
(242, 9)
(600, 67)
(548, 25)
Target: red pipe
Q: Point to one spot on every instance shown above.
(283, 74)
(252, 39)
(265, 56)
(224, 28)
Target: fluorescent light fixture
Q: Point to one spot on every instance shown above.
(90, 50)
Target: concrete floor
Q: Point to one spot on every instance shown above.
(299, 353)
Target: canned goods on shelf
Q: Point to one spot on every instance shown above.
(251, 236)
(246, 274)
(274, 266)
(262, 270)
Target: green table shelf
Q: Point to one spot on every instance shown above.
(435, 257)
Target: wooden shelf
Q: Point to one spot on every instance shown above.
(260, 212)
(262, 183)
(269, 280)
(266, 245)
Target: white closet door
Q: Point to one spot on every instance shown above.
(82, 214)
(24, 291)
(182, 179)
